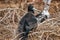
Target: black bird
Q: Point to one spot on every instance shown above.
(27, 23)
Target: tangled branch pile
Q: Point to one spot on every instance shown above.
(48, 30)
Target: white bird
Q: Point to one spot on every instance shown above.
(45, 11)
(44, 14)
(46, 8)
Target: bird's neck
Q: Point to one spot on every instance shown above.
(46, 7)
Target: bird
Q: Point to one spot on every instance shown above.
(44, 14)
(27, 23)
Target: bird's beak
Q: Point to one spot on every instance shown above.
(36, 9)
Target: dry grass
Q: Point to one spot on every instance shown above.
(48, 30)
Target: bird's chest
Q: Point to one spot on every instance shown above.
(45, 12)
(31, 20)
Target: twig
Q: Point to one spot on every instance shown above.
(3, 17)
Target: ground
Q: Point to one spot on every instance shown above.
(12, 11)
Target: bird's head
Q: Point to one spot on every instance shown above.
(30, 8)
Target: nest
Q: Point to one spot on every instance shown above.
(5, 33)
(48, 30)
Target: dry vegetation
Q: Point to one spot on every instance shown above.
(12, 11)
